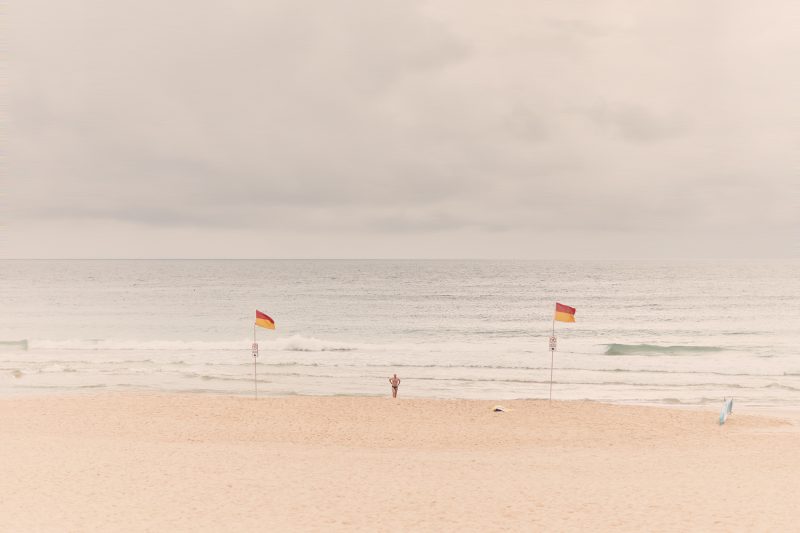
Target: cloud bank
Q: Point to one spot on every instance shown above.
(383, 128)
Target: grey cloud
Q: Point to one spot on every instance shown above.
(636, 123)
(411, 120)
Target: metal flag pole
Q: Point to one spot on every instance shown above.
(255, 357)
(552, 356)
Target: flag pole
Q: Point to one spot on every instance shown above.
(255, 356)
(552, 356)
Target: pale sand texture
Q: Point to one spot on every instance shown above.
(213, 463)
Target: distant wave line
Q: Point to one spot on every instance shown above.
(16, 344)
(654, 349)
(68, 366)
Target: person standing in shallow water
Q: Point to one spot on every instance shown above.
(394, 381)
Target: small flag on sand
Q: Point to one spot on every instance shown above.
(564, 313)
(264, 321)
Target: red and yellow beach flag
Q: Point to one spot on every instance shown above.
(564, 313)
(264, 321)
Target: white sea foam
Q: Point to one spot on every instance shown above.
(292, 343)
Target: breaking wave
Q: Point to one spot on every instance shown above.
(653, 349)
(14, 345)
(298, 343)
(294, 343)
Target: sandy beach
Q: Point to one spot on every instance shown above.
(154, 462)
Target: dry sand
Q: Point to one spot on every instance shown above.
(118, 462)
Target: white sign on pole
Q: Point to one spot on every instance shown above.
(552, 343)
(255, 349)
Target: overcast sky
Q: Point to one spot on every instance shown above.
(401, 128)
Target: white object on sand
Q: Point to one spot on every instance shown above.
(727, 408)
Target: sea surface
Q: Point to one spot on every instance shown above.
(689, 333)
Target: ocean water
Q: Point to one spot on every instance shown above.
(646, 332)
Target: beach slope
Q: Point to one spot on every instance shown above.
(133, 462)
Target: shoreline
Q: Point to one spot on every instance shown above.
(137, 461)
(784, 412)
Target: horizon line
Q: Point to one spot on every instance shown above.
(586, 259)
